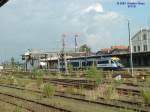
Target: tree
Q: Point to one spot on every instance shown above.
(85, 48)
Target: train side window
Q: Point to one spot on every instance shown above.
(103, 62)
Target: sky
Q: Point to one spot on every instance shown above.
(40, 24)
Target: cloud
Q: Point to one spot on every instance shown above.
(39, 24)
(100, 29)
(91, 40)
(97, 7)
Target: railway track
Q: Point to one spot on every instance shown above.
(14, 104)
(113, 103)
(75, 83)
(127, 89)
(29, 104)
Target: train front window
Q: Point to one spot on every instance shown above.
(112, 62)
(117, 62)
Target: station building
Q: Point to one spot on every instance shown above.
(141, 48)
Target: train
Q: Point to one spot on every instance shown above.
(106, 63)
(81, 63)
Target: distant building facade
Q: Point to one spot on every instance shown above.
(141, 45)
(141, 41)
(118, 49)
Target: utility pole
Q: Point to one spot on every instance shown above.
(85, 49)
(130, 49)
(58, 54)
(64, 60)
(75, 40)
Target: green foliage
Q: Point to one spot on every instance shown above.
(126, 110)
(18, 109)
(85, 48)
(48, 90)
(70, 68)
(40, 73)
(147, 79)
(146, 95)
(95, 74)
(37, 73)
(39, 81)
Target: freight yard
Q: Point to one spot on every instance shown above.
(100, 62)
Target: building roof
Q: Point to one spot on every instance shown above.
(140, 32)
(106, 49)
(121, 47)
(114, 48)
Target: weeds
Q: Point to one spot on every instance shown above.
(18, 109)
(39, 82)
(146, 95)
(109, 92)
(48, 90)
(126, 110)
(37, 73)
(95, 74)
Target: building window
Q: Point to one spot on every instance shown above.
(145, 47)
(139, 48)
(144, 37)
(134, 48)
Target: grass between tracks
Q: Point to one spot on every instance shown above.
(5, 107)
(75, 106)
(104, 90)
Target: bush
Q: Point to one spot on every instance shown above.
(48, 90)
(146, 96)
(95, 74)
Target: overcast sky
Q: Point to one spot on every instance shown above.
(39, 24)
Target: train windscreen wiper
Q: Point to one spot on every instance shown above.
(2, 2)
